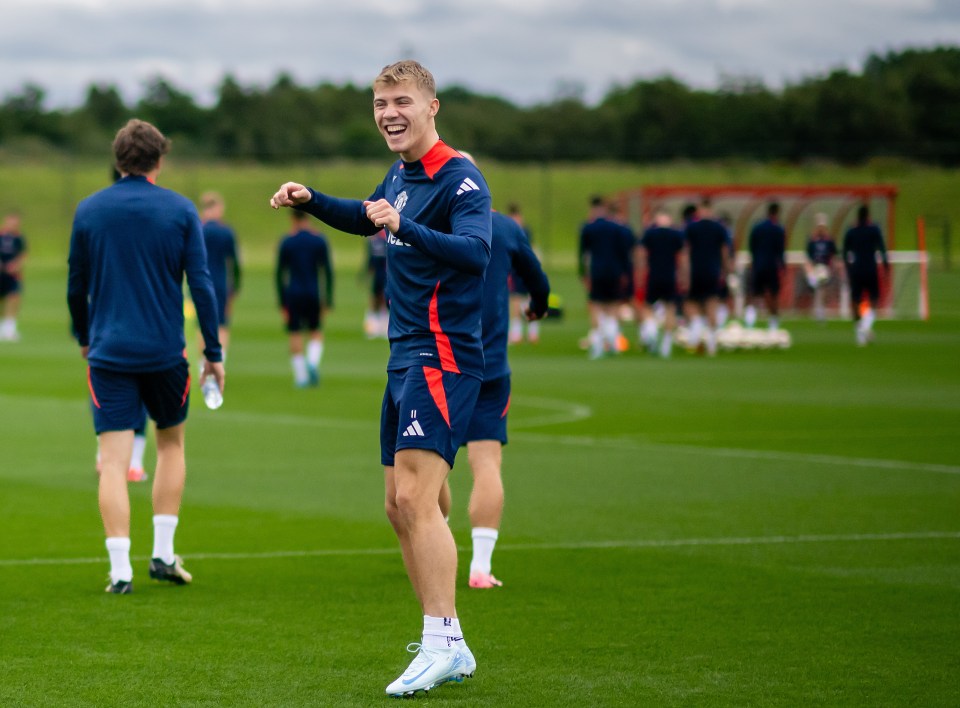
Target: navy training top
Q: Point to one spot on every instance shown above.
(662, 244)
(821, 250)
(608, 246)
(767, 245)
(860, 247)
(511, 251)
(436, 260)
(706, 239)
(221, 244)
(131, 245)
(301, 258)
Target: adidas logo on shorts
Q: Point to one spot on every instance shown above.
(414, 430)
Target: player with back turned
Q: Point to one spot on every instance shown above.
(861, 244)
(511, 257)
(435, 206)
(132, 244)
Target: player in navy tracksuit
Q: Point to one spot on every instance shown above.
(768, 243)
(606, 264)
(861, 244)
(13, 250)
(223, 260)
(708, 253)
(661, 247)
(821, 249)
(435, 206)
(302, 260)
(511, 256)
(131, 245)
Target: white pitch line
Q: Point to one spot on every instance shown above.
(572, 546)
(705, 451)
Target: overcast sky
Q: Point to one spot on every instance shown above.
(523, 50)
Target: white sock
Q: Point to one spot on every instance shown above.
(314, 353)
(696, 330)
(596, 342)
(610, 329)
(484, 540)
(164, 526)
(139, 446)
(516, 329)
(666, 344)
(299, 363)
(118, 548)
(774, 324)
(533, 331)
(723, 313)
(441, 632)
(648, 332)
(750, 316)
(868, 319)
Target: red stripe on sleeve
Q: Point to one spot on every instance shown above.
(435, 384)
(93, 394)
(447, 360)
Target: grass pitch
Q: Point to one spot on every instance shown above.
(765, 528)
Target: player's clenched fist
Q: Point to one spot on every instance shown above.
(290, 194)
(382, 213)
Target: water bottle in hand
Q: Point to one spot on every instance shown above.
(211, 393)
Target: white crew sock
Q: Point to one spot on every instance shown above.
(750, 316)
(666, 345)
(484, 541)
(314, 353)
(723, 314)
(596, 343)
(774, 324)
(648, 332)
(868, 319)
(139, 446)
(610, 331)
(299, 363)
(696, 331)
(516, 330)
(441, 632)
(533, 331)
(164, 526)
(118, 548)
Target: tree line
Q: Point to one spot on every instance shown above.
(901, 104)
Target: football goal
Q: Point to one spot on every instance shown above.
(903, 289)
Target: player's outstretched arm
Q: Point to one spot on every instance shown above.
(290, 194)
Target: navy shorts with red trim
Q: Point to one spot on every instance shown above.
(426, 409)
(489, 419)
(119, 397)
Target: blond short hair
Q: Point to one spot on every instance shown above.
(407, 70)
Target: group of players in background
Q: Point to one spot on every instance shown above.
(689, 271)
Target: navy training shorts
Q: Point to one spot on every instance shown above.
(119, 397)
(489, 419)
(426, 409)
(303, 313)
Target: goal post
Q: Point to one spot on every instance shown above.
(903, 289)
